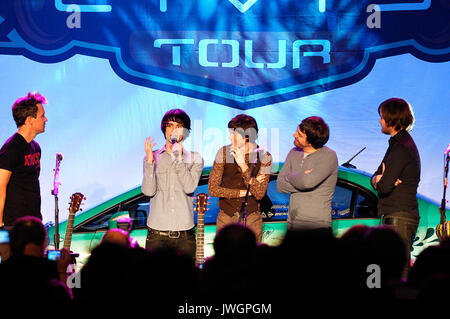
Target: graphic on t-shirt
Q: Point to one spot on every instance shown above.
(33, 160)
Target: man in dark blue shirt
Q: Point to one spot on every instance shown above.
(398, 176)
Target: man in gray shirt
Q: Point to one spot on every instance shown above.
(171, 176)
(309, 174)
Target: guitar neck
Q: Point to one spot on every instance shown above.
(202, 203)
(69, 230)
(75, 203)
(200, 253)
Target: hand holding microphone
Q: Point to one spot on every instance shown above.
(238, 154)
(177, 147)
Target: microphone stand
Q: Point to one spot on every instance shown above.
(442, 209)
(55, 191)
(243, 210)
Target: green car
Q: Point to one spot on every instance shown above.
(354, 202)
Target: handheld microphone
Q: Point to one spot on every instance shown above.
(259, 149)
(173, 140)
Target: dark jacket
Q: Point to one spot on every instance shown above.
(402, 161)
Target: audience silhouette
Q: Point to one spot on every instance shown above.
(27, 274)
(308, 263)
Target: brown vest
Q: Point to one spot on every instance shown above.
(232, 178)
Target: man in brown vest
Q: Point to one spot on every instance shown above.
(231, 172)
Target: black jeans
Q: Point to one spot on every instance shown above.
(185, 243)
(406, 227)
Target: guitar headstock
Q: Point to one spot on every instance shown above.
(201, 202)
(75, 202)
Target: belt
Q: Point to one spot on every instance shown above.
(389, 220)
(172, 233)
(237, 213)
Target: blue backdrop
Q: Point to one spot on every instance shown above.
(111, 69)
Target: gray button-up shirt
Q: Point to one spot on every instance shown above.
(171, 185)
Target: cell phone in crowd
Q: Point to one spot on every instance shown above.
(4, 241)
(4, 236)
(53, 254)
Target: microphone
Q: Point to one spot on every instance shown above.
(447, 150)
(173, 140)
(258, 152)
(255, 151)
(56, 181)
(259, 149)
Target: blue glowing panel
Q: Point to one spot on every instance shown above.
(239, 53)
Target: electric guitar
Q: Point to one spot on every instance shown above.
(75, 203)
(202, 204)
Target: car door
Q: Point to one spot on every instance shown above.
(353, 205)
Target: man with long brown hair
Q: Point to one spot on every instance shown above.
(398, 175)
